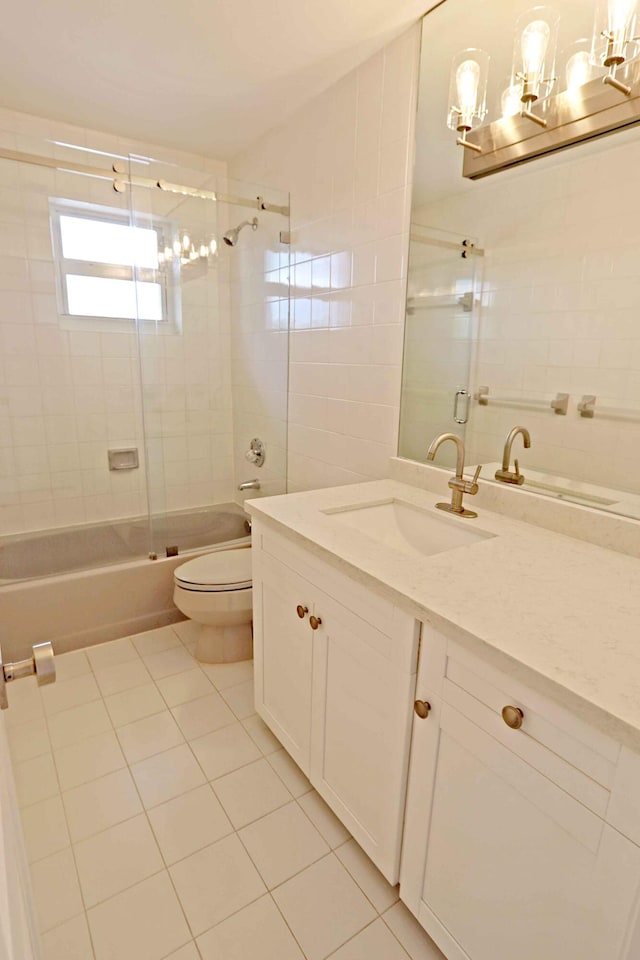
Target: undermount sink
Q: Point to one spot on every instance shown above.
(398, 524)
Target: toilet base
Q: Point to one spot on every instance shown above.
(224, 644)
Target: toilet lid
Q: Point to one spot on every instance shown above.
(225, 570)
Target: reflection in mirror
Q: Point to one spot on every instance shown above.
(523, 303)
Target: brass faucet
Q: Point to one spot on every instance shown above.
(505, 474)
(458, 485)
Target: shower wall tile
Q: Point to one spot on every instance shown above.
(68, 395)
(346, 158)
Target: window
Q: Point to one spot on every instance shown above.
(108, 269)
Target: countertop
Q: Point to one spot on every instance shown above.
(561, 614)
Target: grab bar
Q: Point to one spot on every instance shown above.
(42, 664)
(559, 404)
(587, 409)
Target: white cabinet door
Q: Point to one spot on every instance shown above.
(361, 728)
(283, 655)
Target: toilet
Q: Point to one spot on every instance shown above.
(215, 592)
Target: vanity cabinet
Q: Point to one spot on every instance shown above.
(335, 674)
(515, 843)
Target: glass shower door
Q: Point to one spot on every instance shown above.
(440, 329)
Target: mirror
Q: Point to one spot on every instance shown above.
(523, 297)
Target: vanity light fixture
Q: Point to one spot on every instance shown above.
(614, 40)
(468, 94)
(595, 91)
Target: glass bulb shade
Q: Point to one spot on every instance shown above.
(535, 40)
(468, 90)
(510, 103)
(535, 53)
(614, 32)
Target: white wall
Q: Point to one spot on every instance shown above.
(66, 396)
(560, 304)
(346, 158)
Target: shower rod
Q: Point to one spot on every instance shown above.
(121, 180)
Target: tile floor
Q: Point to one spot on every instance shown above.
(163, 820)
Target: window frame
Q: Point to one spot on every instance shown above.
(167, 275)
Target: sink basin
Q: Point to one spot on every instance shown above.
(403, 526)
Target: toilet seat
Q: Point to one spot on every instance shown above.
(222, 572)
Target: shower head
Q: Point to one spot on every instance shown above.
(231, 236)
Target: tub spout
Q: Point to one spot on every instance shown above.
(249, 485)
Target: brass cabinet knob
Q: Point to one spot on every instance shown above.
(422, 708)
(513, 717)
(302, 611)
(314, 622)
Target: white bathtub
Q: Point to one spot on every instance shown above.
(88, 606)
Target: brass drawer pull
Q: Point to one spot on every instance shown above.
(422, 708)
(302, 611)
(513, 717)
(314, 622)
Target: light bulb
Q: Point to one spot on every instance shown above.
(535, 40)
(467, 80)
(621, 13)
(510, 102)
(186, 241)
(192, 254)
(177, 247)
(213, 246)
(578, 70)
(168, 253)
(204, 250)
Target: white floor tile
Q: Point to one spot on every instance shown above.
(324, 819)
(190, 822)
(203, 715)
(155, 641)
(100, 804)
(152, 735)
(45, 828)
(323, 907)
(55, 889)
(256, 931)
(88, 760)
(167, 775)
(182, 687)
(241, 699)
(70, 665)
(250, 792)
(216, 882)
(131, 705)
(411, 935)
(190, 952)
(25, 702)
(165, 664)
(224, 750)
(375, 942)
(122, 676)
(282, 844)
(116, 859)
(261, 735)
(35, 779)
(290, 773)
(143, 923)
(367, 876)
(223, 675)
(69, 693)
(69, 941)
(187, 630)
(71, 726)
(112, 653)
(29, 740)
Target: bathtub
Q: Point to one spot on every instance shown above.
(53, 588)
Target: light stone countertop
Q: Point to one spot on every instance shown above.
(557, 613)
